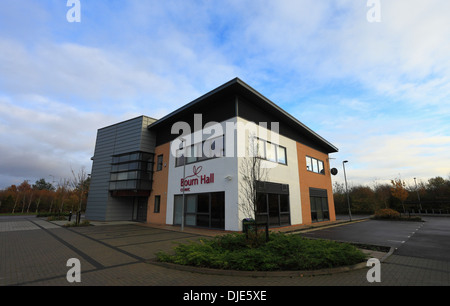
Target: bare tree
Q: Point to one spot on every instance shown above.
(78, 183)
(15, 191)
(253, 173)
(80, 186)
(63, 191)
(30, 198)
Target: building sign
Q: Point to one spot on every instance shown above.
(196, 179)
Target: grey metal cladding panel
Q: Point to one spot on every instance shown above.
(105, 137)
(120, 138)
(96, 206)
(128, 136)
(92, 214)
(98, 194)
(148, 138)
(148, 141)
(119, 209)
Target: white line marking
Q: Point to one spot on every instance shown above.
(396, 241)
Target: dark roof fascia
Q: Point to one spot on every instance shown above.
(254, 92)
(290, 117)
(196, 101)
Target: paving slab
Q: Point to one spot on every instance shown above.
(35, 252)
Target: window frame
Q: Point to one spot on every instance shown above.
(314, 162)
(157, 204)
(181, 160)
(264, 144)
(159, 162)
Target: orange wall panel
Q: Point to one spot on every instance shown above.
(159, 187)
(310, 179)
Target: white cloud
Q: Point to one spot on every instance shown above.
(372, 89)
(40, 137)
(75, 72)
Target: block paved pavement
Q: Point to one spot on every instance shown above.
(34, 252)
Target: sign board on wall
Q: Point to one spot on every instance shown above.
(196, 179)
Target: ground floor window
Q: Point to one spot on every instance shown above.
(319, 205)
(157, 204)
(273, 209)
(202, 210)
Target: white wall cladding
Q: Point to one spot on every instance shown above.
(227, 177)
(277, 173)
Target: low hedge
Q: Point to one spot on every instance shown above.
(281, 252)
(74, 224)
(390, 214)
(52, 214)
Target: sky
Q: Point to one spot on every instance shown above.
(371, 77)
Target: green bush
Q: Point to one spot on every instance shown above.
(281, 252)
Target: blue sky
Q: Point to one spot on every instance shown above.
(379, 91)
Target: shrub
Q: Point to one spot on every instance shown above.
(56, 218)
(387, 213)
(50, 214)
(281, 252)
(74, 224)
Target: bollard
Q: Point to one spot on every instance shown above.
(77, 221)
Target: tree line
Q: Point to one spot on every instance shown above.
(433, 194)
(69, 194)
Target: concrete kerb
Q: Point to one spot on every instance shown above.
(324, 226)
(382, 259)
(210, 271)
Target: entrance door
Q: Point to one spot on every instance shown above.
(142, 203)
(274, 211)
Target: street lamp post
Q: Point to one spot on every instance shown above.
(184, 178)
(346, 189)
(418, 196)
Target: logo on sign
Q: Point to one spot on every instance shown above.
(196, 179)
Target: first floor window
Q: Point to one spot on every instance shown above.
(159, 163)
(281, 155)
(271, 151)
(210, 148)
(314, 165)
